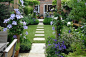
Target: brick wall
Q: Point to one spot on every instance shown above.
(42, 2)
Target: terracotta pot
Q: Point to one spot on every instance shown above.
(41, 17)
(16, 53)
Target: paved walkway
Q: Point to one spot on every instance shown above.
(37, 49)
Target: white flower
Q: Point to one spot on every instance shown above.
(61, 18)
(52, 16)
(9, 26)
(14, 23)
(12, 15)
(69, 23)
(55, 18)
(21, 16)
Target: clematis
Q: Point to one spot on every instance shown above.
(53, 28)
(85, 3)
(16, 9)
(12, 15)
(18, 17)
(24, 23)
(24, 37)
(22, 2)
(5, 29)
(6, 20)
(11, 18)
(9, 26)
(14, 36)
(14, 23)
(25, 27)
(26, 33)
(18, 13)
(51, 23)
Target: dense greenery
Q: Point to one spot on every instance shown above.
(4, 14)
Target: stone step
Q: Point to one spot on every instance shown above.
(40, 24)
(41, 20)
(39, 31)
(40, 27)
(38, 48)
(39, 34)
(36, 55)
(42, 39)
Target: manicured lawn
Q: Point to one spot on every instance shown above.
(31, 32)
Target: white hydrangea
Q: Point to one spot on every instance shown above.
(69, 23)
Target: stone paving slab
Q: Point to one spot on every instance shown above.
(38, 48)
(39, 34)
(40, 27)
(39, 31)
(40, 19)
(40, 24)
(42, 39)
(36, 55)
(23, 54)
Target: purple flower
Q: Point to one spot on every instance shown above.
(9, 26)
(5, 29)
(18, 17)
(24, 37)
(22, 2)
(51, 23)
(16, 9)
(54, 39)
(24, 23)
(53, 28)
(49, 44)
(14, 36)
(14, 23)
(85, 3)
(13, 15)
(69, 31)
(25, 27)
(11, 18)
(26, 33)
(6, 20)
(18, 13)
(59, 34)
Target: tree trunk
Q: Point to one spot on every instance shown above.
(18, 38)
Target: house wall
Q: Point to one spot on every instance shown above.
(42, 3)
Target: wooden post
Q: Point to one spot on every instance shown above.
(15, 4)
(58, 8)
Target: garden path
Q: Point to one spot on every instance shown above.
(37, 49)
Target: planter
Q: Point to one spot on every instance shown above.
(41, 17)
(16, 53)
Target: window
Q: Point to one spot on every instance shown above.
(37, 9)
(50, 8)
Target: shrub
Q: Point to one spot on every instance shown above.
(4, 14)
(47, 21)
(28, 10)
(25, 46)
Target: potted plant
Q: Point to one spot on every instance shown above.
(38, 16)
(41, 16)
(17, 49)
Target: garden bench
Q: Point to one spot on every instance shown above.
(10, 50)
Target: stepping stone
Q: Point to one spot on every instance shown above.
(40, 19)
(40, 27)
(40, 24)
(36, 55)
(39, 31)
(23, 55)
(39, 39)
(39, 34)
(38, 48)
